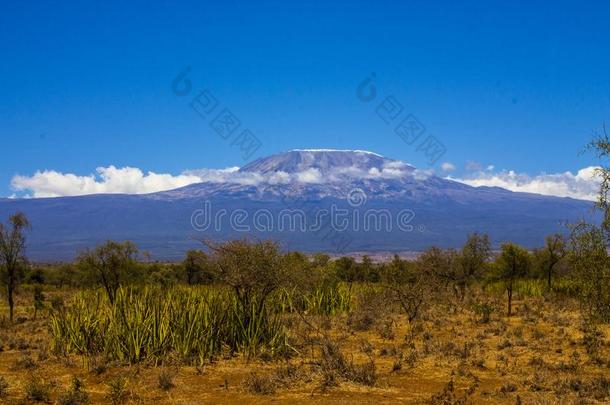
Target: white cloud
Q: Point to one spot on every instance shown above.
(50, 183)
(447, 167)
(311, 175)
(423, 174)
(384, 173)
(279, 177)
(394, 164)
(582, 185)
(230, 174)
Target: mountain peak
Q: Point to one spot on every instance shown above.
(324, 161)
(336, 150)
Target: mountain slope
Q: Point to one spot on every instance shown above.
(406, 209)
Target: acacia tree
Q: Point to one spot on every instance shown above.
(590, 263)
(553, 252)
(196, 267)
(253, 270)
(12, 253)
(346, 269)
(367, 270)
(472, 260)
(409, 286)
(320, 259)
(440, 265)
(112, 264)
(512, 263)
(600, 146)
(306, 276)
(589, 243)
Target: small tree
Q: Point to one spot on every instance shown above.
(512, 263)
(553, 252)
(305, 276)
(440, 265)
(12, 254)
(346, 269)
(397, 264)
(320, 259)
(36, 276)
(253, 270)
(368, 271)
(409, 287)
(600, 146)
(588, 258)
(38, 299)
(472, 260)
(65, 274)
(589, 243)
(196, 267)
(112, 264)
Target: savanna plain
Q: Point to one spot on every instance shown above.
(243, 322)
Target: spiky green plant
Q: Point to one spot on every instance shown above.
(148, 323)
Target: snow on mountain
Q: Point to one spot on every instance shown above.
(326, 161)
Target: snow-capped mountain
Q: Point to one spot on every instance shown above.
(286, 196)
(324, 173)
(326, 161)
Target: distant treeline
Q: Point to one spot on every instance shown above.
(581, 257)
(474, 261)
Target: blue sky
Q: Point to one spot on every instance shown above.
(518, 85)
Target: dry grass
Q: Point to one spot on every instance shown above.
(456, 353)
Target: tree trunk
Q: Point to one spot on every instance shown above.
(460, 290)
(11, 303)
(510, 300)
(550, 271)
(110, 292)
